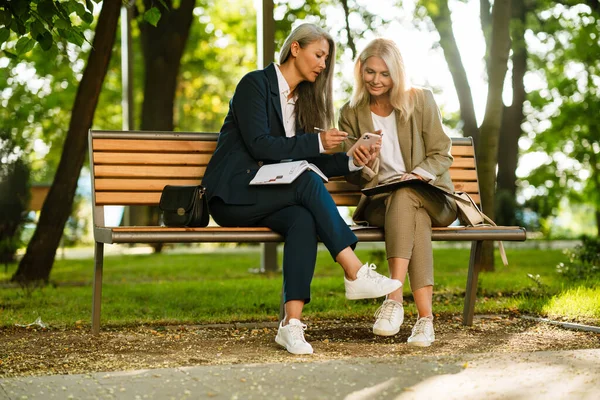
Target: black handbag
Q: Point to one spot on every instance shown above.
(184, 206)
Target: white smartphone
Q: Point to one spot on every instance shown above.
(367, 139)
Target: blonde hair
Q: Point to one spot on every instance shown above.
(314, 105)
(401, 97)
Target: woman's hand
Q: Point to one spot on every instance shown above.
(411, 175)
(361, 156)
(332, 138)
(366, 156)
(374, 151)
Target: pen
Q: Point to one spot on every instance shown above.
(324, 130)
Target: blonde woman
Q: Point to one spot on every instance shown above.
(413, 146)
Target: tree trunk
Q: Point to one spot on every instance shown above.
(512, 118)
(487, 150)
(39, 258)
(440, 15)
(162, 47)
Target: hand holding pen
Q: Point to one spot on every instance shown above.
(331, 138)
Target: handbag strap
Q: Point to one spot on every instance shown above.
(489, 221)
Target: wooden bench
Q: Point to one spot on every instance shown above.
(132, 167)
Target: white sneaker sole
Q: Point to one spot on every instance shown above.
(363, 295)
(381, 332)
(298, 352)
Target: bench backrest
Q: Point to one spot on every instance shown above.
(132, 167)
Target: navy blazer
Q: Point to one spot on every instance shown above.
(253, 134)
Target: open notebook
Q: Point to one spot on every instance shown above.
(284, 172)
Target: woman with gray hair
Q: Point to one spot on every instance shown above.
(272, 117)
(413, 146)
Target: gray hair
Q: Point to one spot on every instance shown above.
(314, 106)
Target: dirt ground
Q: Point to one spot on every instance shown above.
(31, 351)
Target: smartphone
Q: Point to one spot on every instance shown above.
(367, 139)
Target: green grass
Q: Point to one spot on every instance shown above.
(215, 287)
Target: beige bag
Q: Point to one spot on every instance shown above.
(470, 215)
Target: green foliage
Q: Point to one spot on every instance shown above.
(584, 260)
(43, 22)
(565, 125)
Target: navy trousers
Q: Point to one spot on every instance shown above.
(302, 212)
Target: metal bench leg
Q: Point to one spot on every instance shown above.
(471, 291)
(281, 306)
(97, 297)
(268, 260)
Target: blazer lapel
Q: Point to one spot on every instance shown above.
(274, 87)
(365, 121)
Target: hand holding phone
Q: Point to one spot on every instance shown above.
(367, 139)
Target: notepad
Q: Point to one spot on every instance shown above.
(284, 172)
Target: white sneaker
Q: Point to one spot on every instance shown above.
(422, 333)
(389, 318)
(370, 284)
(291, 337)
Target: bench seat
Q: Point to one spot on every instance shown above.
(131, 168)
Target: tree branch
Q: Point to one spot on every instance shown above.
(346, 18)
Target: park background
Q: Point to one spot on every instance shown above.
(521, 77)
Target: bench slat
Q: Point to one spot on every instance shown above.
(132, 171)
(463, 163)
(458, 175)
(159, 146)
(108, 184)
(462, 151)
(151, 158)
(226, 235)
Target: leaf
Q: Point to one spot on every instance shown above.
(164, 4)
(18, 27)
(5, 17)
(89, 5)
(10, 55)
(24, 45)
(45, 40)
(37, 29)
(88, 18)
(75, 37)
(47, 10)
(4, 35)
(152, 16)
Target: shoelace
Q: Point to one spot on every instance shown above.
(421, 326)
(386, 310)
(371, 274)
(297, 332)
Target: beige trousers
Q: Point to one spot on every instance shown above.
(407, 216)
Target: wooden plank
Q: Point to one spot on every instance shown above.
(132, 171)
(151, 158)
(463, 163)
(462, 151)
(108, 184)
(171, 229)
(346, 199)
(159, 146)
(341, 186)
(469, 187)
(463, 175)
(127, 198)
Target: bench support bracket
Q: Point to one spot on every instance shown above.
(472, 277)
(97, 300)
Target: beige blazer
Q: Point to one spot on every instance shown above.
(423, 143)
